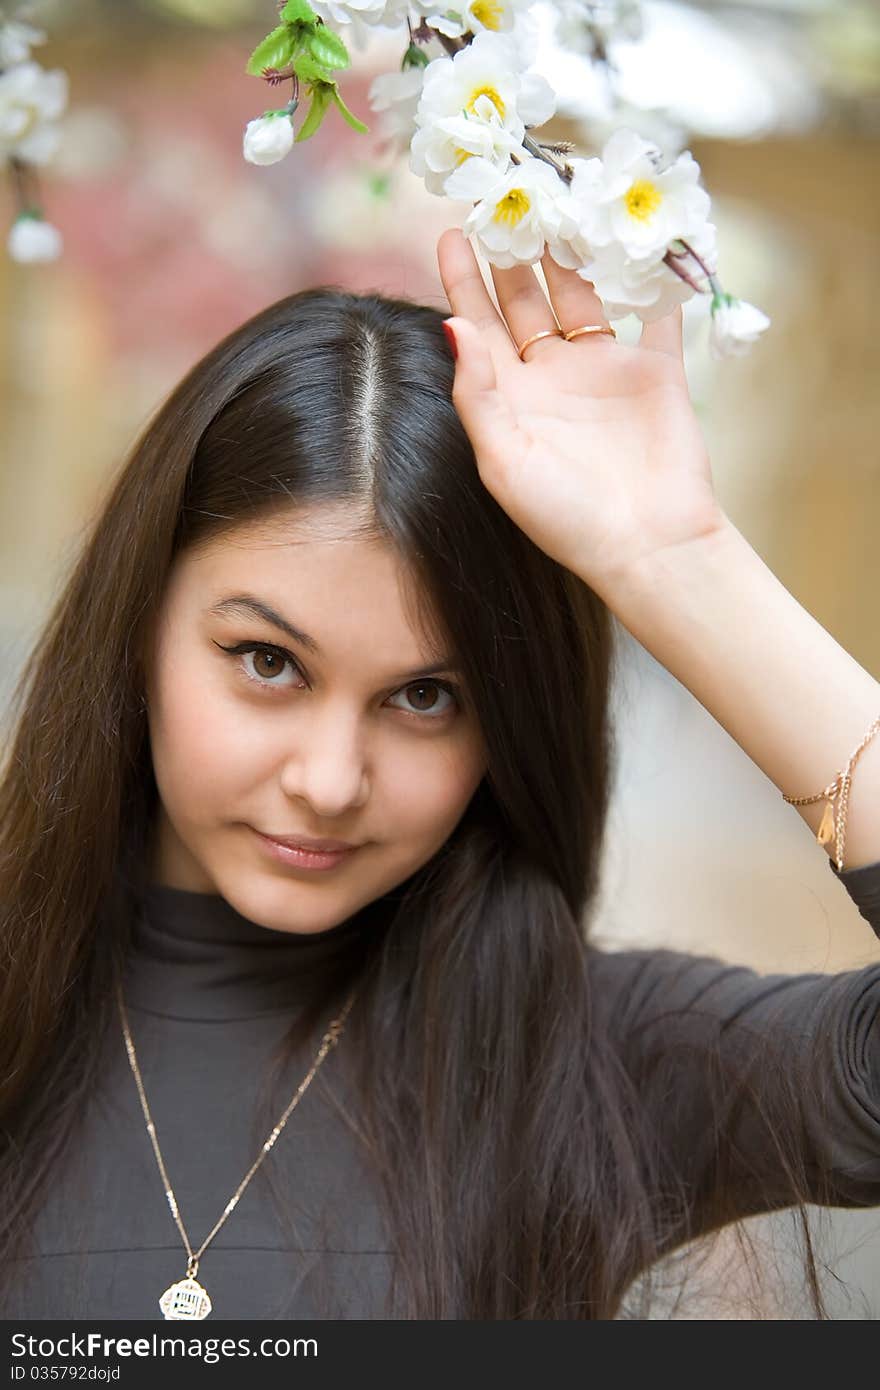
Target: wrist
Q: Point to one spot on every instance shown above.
(672, 574)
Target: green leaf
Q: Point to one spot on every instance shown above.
(309, 70)
(349, 116)
(275, 51)
(327, 48)
(317, 111)
(298, 12)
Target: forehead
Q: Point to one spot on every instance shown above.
(326, 568)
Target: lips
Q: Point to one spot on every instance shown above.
(315, 846)
(290, 852)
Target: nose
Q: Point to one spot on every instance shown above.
(327, 764)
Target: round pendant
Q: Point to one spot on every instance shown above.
(184, 1300)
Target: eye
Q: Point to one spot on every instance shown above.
(268, 662)
(428, 704)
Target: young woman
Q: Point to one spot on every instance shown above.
(349, 592)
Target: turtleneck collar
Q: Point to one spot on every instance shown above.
(194, 956)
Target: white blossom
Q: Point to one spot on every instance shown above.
(268, 138)
(515, 212)
(626, 197)
(16, 40)
(439, 149)
(626, 220)
(485, 79)
(396, 96)
(648, 289)
(626, 287)
(32, 239)
(387, 14)
(572, 248)
(477, 103)
(499, 16)
(30, 100)
(628, 212)
(736, 325)
(359, 19)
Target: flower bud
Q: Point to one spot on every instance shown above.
(736, 324)
(32, 239)
(268, 138)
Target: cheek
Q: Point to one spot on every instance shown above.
(425, 791)
(199, 746)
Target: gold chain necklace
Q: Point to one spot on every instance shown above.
(187, 1298)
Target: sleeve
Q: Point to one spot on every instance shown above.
(863, 886)
(760, 1090)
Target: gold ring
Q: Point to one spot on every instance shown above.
(589, 328)
(545, 333)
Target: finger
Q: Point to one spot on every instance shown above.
(482, 408)
(525, 307)
(468, 296)
(665, 334)
(575, 301)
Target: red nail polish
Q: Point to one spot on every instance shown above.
(450, 337)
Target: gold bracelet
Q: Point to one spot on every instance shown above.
(834, 819)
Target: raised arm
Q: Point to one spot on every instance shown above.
(716, 617)
(594, 450)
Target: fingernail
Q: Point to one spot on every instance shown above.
(450, 337)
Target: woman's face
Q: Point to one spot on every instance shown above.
(332, 735)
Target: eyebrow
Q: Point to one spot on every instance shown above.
(255, 607)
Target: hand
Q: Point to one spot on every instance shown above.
(591, 447)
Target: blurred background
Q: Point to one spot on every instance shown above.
(171, 239)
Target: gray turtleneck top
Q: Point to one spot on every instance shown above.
(210, 993)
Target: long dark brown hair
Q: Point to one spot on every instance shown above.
(515, 1153)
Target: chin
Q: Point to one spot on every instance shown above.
(285, 906)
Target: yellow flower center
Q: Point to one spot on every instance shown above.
(461, 155)
(493, 96)
(642, 199)
(513, 207)
(488, 12)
